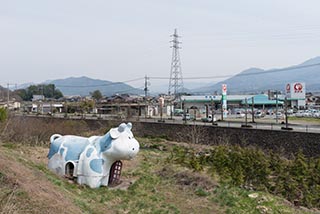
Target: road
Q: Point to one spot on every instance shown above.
(264, 123)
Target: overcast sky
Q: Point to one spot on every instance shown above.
(125, 39)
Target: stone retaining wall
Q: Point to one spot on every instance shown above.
(37, 129)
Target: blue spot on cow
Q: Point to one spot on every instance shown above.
(75, 148)
(61, 151)
(96, 165)
(105, 143)
(54, 148)
(89, 151)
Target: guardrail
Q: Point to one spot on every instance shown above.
(308, 128)
(235, 124)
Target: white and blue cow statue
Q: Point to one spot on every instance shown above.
(93, 161)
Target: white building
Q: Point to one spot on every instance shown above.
(296, 94)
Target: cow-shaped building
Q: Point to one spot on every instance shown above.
(94, 161)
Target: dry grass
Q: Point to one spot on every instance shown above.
(29, 189)
(150, 185)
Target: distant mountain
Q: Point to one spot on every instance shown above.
(188, 87)
(84, 85)
(23, 86)
(255, 80)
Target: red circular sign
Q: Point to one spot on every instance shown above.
(224, 87)
(298, 87)
(288, 87)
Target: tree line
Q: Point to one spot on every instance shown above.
(47, 90)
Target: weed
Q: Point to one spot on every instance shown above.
(201, 192)
(10, 145)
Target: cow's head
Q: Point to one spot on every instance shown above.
(119, 143)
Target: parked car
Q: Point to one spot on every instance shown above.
(279, 115)
(259, 114)
(307, 113)
(290, 111)
(178, 112)
(208, 119)
(240, 114)
(299, 114)
(187, 117)
(269, 112)
(317, 114)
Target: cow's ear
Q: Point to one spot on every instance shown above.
(122, 127)
(129, 125)
(115, 132)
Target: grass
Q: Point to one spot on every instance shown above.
(10, 195)
(10, 145)
(304, 119)
(237, 200)
(159, 187)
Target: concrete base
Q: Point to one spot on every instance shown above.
(288, 129)
(246, 126)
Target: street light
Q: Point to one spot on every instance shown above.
(286, 115)
(246, 115)
(252, 109)
(276, 106)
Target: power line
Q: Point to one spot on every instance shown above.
(122, 91)
(246, 74)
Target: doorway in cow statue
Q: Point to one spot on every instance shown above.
(69, 170)
(115, 173)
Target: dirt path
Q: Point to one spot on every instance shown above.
(42, 196)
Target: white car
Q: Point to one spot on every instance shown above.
(279, 115)
(186, 117)
(299, 114)
(209, 119)
(258, 114)
(240, 114)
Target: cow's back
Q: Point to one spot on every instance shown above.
(69, 146)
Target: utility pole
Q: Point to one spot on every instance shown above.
(171, 108)
(146, 83)
(212, 112)
(176, 80)
(252, 109)
(246, 112)
(221, 108)
(184, 112)
(8, 95)
(286, 112)
(276, 106)
(286, 115)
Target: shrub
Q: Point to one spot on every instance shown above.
(298, 180)
(3, 114)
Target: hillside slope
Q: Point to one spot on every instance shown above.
(29, 190)
(84, 85)
(151, 184)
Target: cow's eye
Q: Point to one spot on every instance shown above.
(129, 137)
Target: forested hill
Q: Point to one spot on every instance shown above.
(84, 85)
